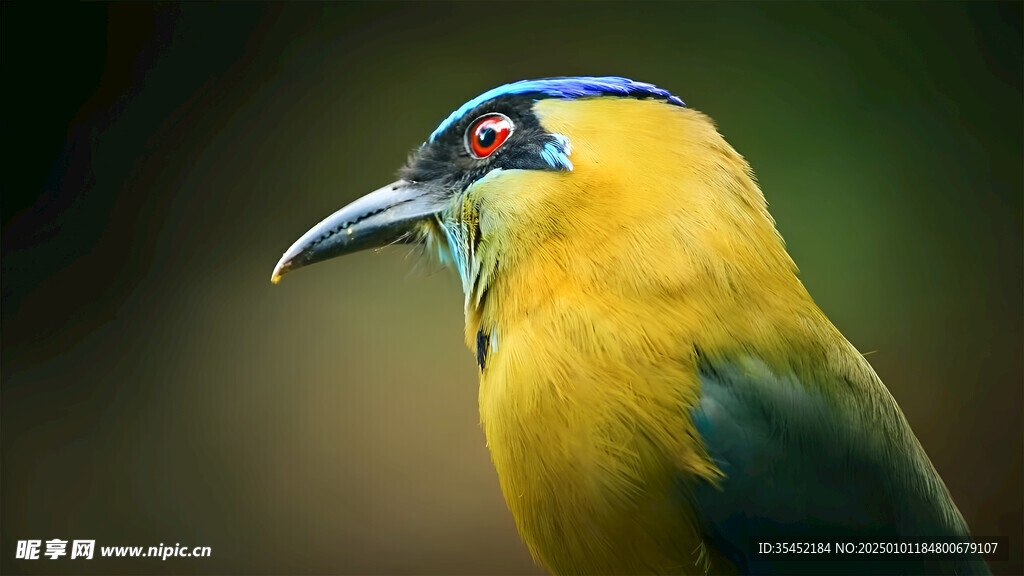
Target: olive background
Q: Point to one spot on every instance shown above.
(159, 158)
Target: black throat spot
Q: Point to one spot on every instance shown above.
(482, 343)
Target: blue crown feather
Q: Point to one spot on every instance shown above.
(572, 87)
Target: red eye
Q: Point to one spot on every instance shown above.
(487, 134)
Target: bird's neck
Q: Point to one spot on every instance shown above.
(659, 230)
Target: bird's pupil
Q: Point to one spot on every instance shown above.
(485, 137)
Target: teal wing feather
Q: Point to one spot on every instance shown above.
(801, 465)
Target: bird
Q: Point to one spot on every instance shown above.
(659, 392)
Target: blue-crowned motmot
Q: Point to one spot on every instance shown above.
(659, 392)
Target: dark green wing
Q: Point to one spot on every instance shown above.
(802, 465)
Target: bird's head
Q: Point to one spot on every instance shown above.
(590, 181)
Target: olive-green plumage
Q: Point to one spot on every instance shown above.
(657, 388)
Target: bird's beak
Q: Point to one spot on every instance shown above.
(382, 217)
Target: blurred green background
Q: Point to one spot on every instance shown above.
(160, 158)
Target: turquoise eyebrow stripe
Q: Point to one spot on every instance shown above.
(569, 87)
